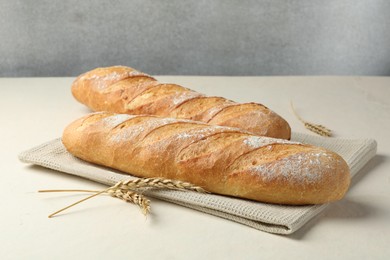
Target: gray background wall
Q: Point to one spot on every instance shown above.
(215, 37)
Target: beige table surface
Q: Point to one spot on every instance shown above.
(35, 110)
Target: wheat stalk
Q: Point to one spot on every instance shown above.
(77, 202)
(318, 129)
(126, 195)
(125, 190)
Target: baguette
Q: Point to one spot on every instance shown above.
(121, 89)
(222, 160)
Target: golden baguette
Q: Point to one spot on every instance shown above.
(121, 89)
(222, 160)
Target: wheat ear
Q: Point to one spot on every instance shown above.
(132, 197)
(159, 183)
(318, 129)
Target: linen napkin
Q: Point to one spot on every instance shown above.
(279, 219)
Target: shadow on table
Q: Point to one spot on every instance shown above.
(347, 208)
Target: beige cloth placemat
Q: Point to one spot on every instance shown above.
(280, 219)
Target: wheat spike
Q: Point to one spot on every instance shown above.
(160, 183)
(132, 197)
(318, 129)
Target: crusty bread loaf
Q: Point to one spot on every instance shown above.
(222, 160)
(122, 89)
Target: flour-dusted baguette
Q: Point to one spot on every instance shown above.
(122, 89)
(222, 160)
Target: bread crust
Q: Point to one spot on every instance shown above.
(223, 160)
(123, 89)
